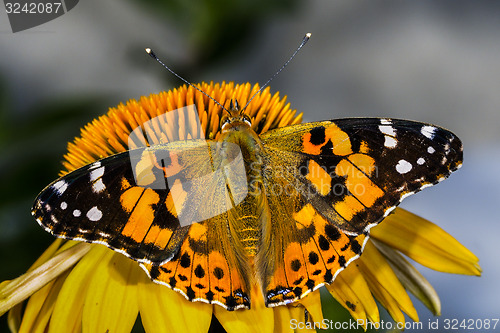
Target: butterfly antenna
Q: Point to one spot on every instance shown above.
(153, 55)
(304, 41)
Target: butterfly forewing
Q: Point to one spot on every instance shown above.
(356, 170)
(136, 202)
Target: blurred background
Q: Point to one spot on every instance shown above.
(432, 61)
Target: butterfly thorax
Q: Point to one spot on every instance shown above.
(247, 217)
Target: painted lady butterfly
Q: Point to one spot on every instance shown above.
(288, 209)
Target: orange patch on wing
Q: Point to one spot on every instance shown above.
(295, 267)
(363, 148)
(144, 174)
(340, 140)
(364, 163)
(219, 270)
(315, 264)
(159, 236)
(125, 184)
(310, 148)
(224, 280)
(198, 231)
(348, 207)
(176, 198)
(361, 187)
(200, 279)
(304, 216)
(319, 178)
(129, 198)
(138, 202)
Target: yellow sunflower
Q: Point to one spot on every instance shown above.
(81, 287)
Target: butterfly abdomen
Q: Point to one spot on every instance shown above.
(247, 216)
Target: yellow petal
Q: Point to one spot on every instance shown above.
(165, 310)
(40, 306)
(387, 301)
(22, 287)
(15, 314)
(257, 319)
(282, 319)
(245, 320)
(14, 317)
(351, 290)
(411, 278)
(426, 243)
(68, 308)
(111, 300)
(33, 307)
(384, 283)
(312, 303)
(299, 322)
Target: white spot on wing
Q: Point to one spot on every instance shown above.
(403, 166)
(389, 133)
(77, 213)
(94, 214)
(428, 131)
(95, 176)
(96, 173)
(388, 130)
(98, 186)
(390, 142)
(431, 150)
(60, 187)
(64, 205)
(420, 161)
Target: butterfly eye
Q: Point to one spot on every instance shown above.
(247, 120)
(224, 122)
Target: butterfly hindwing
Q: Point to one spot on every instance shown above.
(206, 267)
(344, 176)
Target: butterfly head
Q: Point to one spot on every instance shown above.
(235, 118)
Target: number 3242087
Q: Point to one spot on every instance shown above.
(470, 324)
(33, 7)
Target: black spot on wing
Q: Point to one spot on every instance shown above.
(218, 273)
(295, 265)
(317, 135)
